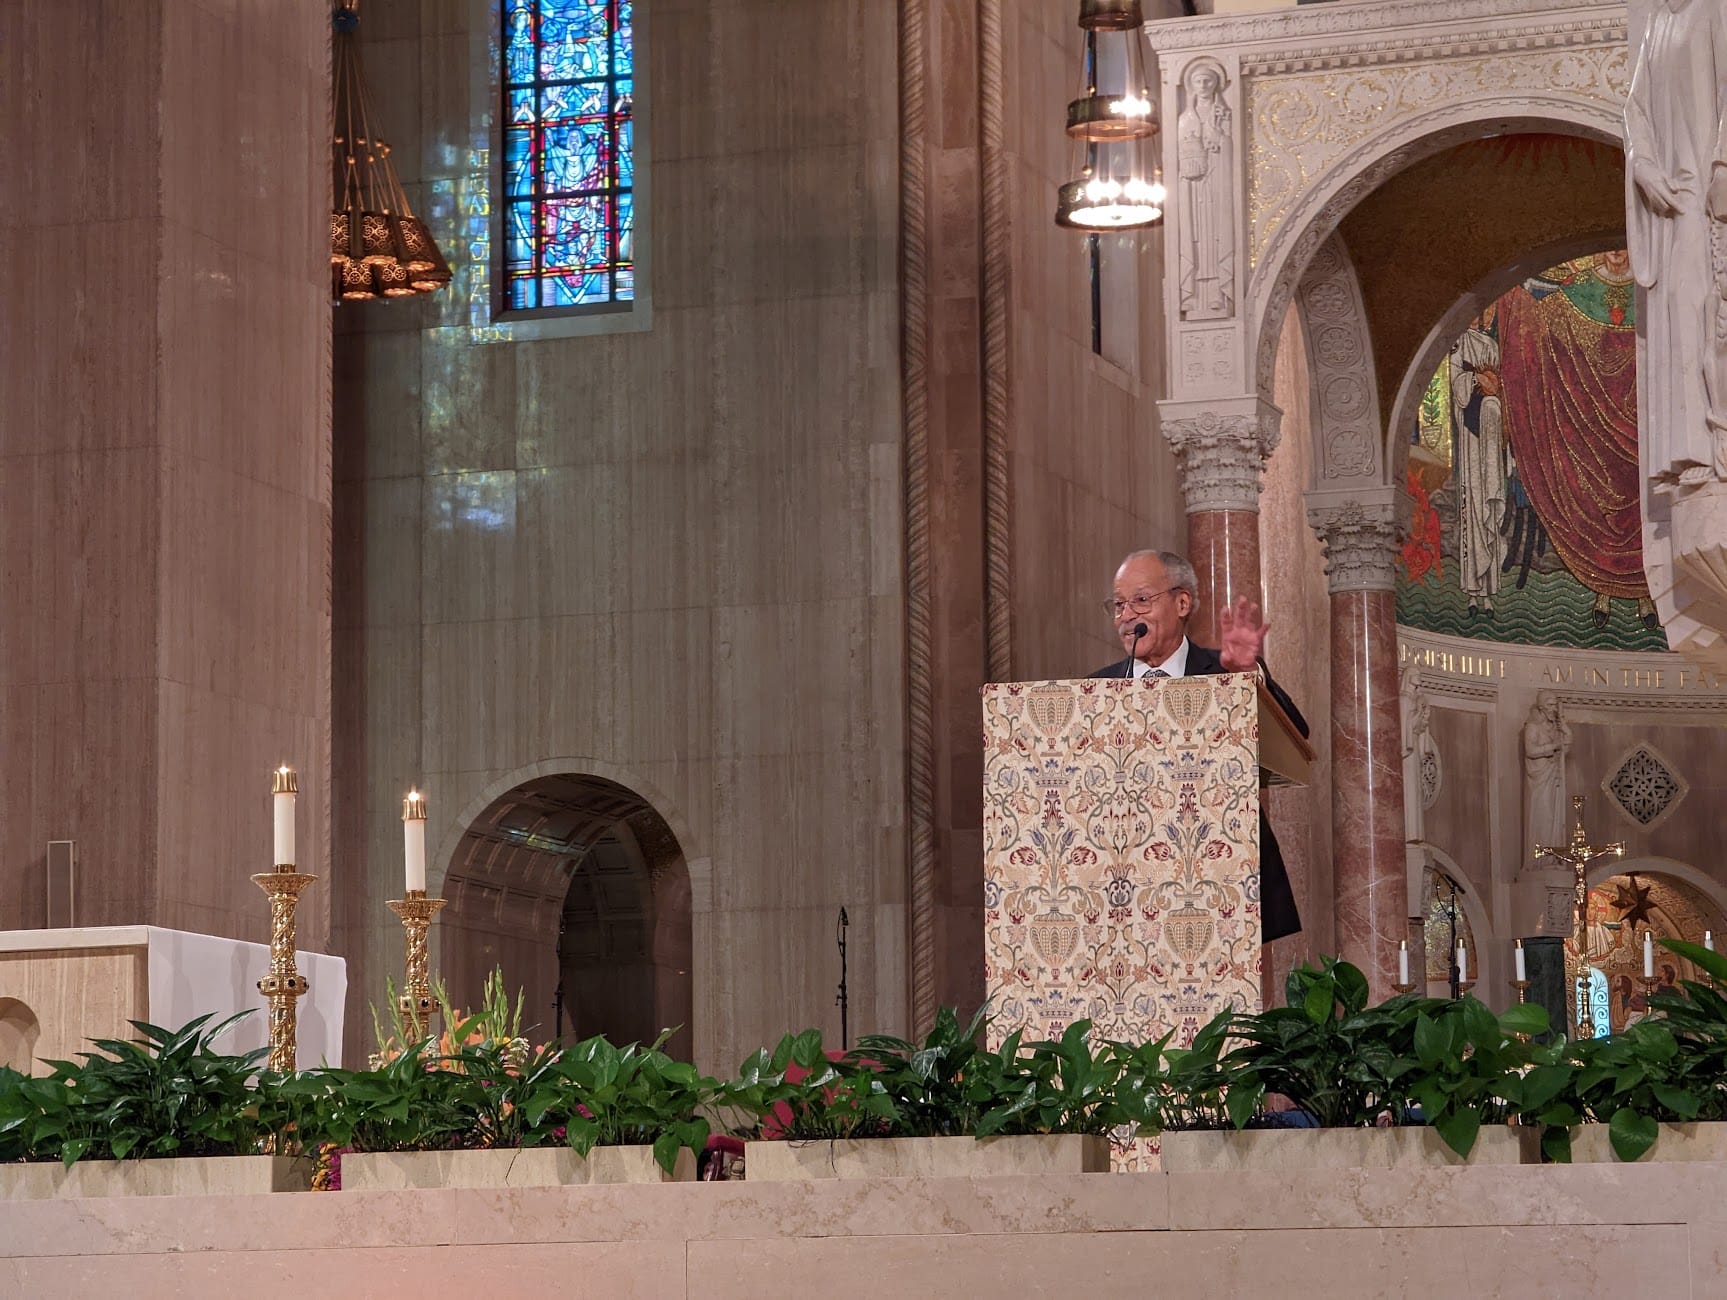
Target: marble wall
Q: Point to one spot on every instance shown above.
(670, 554)
(1486, 1231)
(1479, 695)
(1091, 476)
(164, 454)
(1297, 605)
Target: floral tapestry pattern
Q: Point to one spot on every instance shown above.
(1121, 854)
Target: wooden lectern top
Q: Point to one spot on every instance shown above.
(1285, 756)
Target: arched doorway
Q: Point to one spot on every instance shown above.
(1621, 907)
(576, 887)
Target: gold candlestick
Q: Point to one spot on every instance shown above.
(284, 985)
(416, 1004)
(1578, 854)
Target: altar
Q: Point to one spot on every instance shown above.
(61, 988)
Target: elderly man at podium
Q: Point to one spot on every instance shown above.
(1156, 592)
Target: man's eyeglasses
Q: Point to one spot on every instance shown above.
(1140, 604)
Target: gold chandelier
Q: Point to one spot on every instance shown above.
(1116, 188)
(378, 247)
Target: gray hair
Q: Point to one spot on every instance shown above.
(1178, 567)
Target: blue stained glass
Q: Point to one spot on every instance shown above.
(575, 40)
(568, 152)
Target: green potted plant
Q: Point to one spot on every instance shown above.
(1356, 1074)
(165, 1115)
(946, 1106)
(479, 1107)
(1658, 1091)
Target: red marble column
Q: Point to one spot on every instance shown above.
(1224, 548)
(1222, 446)
(1369, 875)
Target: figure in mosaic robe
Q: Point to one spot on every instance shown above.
(1676, 176)
(1481, 451)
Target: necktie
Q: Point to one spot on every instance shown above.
(1157, 672)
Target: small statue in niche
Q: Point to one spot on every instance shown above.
(1205, 167)
(1676, 207)
(1545, 741)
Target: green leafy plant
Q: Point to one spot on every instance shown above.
(826, 1101)
(1050, 1087)
(1468, 1066)
(1176, 1089)
(1328, 1051)
(941, 1087)
(597, 1094)
(168, 1094)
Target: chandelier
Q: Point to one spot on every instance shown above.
(378, 247)
(1110, 123)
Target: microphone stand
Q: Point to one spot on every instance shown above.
(843, 999)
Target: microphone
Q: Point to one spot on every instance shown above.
(1139, 630)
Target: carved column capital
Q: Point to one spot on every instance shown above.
(1360, 531)
(1222, 445)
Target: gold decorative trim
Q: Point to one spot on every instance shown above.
(920, 687)
(996, 255)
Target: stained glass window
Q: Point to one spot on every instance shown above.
(569, 160)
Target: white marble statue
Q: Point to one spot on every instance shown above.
(1545, 740)
(1478, 435)
(1205, 165)
(1676, 155)
(1419, 750)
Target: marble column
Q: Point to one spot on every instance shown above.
(1222, 447)
(164, 456)
(1370, 891)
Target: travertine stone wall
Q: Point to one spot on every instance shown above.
(1091, 477)
(164, 454)
(671, 555)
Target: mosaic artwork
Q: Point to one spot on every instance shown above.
(1620, 909)
(1121, 855)
(569, 161)
(1523, 472)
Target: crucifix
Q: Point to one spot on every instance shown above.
(1577, 855)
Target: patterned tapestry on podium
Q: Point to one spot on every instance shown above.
(1121, 856)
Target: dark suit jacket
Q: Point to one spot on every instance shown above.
(1277, 913)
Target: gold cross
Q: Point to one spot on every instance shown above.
(1577, 855)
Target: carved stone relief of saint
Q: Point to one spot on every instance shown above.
(1545, 740)
(1205, 168)
(1676, 204)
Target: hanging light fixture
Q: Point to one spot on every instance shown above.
(1116, 188)
(378, 247)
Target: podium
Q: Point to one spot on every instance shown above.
(1121, 850)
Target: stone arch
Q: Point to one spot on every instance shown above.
(1314, 215)
(1713, 890)
(1474, 913)
(579, 887)
(1343, 396)
(19, 1032)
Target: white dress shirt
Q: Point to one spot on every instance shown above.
(1174, 666)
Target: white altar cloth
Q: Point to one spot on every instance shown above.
(191, 974)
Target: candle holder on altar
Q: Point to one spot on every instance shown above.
(416, 1003)
(1522, 988)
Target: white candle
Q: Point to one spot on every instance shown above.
(1462, 964)
(1522, 970)
(1709, 940)
(414, 840)
(1403, 961)
(1648, 955)
(283, 786)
